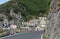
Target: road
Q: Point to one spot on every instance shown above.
(27, 35)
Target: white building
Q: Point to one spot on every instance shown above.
(41, 23)
(37, 24)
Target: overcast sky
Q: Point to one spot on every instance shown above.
(3, 1)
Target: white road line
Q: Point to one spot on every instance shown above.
(42, 36)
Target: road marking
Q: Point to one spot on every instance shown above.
(42, 36)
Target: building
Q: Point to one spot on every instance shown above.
(41, 23)
(36, 24)
(16, 20)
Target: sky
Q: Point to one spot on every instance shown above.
(3, 1)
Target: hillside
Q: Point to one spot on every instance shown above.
(28, 8)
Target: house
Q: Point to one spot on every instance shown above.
(36, 24)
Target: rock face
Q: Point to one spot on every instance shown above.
(53, 26)
(16, 19)
(3, 20)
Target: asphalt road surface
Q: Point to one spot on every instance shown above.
(27, 35)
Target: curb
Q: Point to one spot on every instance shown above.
(12, 35)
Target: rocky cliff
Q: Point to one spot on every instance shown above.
(53, 26)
